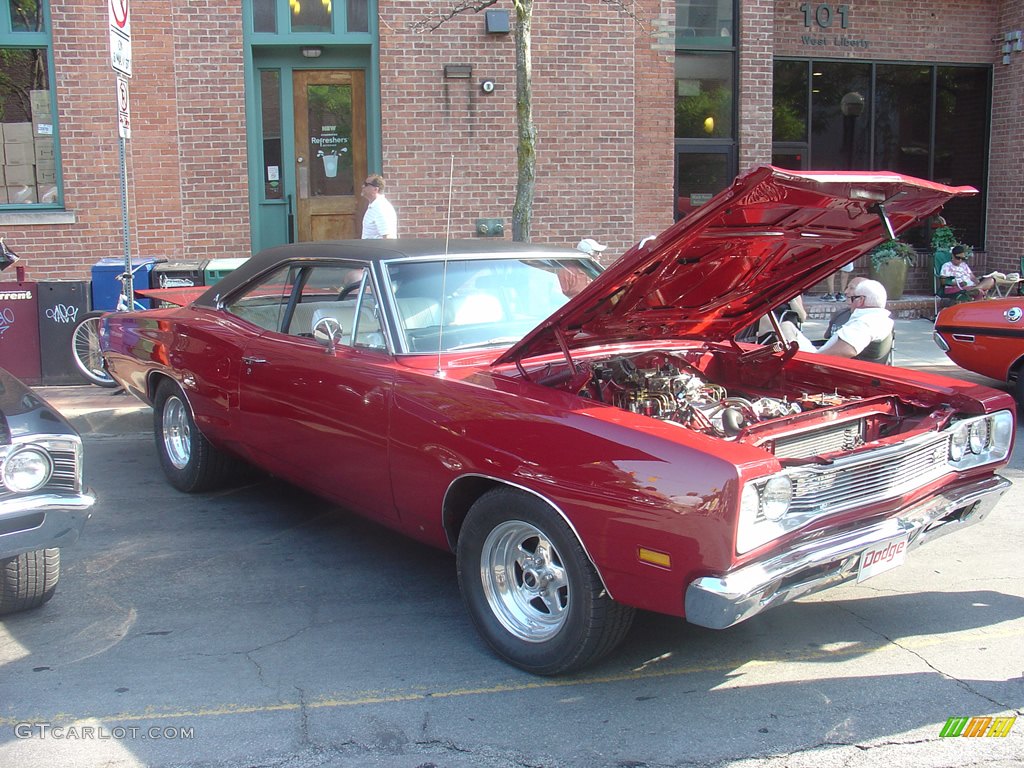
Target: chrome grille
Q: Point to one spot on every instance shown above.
(835, 437)
(871, 477)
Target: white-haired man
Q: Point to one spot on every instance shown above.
(869, 322)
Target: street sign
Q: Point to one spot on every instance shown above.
(124, 120)
(120, 36)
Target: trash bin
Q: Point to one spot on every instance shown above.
(106, 288)
(19, 330)
(177, 274)
(61, 305)
(215, 269)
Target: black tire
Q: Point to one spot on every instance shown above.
(28, 580)
(553, 616)
(190, 462)
(85, 350)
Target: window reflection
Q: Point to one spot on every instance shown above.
(840, 115)
(330, 139)
(264, 16)
(26, 15)
(311, 15)
(704, 94)
(704, 23)
(270, 109)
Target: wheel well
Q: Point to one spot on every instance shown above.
(461, 495)
(153, 382)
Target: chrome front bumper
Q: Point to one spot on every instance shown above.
(28, 523)
(721, 601)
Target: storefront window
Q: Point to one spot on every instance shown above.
(704, 23)
(704, 95)
(840, 115)
(922, 120)
(902, 118)
(962, 105)
(789, 106)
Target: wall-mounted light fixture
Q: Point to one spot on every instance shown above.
(311, 51)
(458, 71)
(497, 22)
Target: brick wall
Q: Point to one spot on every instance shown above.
(604, 144)
(755, 83)
(1006, 178)
(187, 159)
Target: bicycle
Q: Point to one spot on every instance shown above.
(85, 339)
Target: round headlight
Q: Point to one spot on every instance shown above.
(27, 470)
(778, 493)
(980, 435)
(958, 442)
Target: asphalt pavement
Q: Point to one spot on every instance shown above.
(97, 411)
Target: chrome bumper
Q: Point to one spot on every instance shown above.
(721, 601)
(47, 520)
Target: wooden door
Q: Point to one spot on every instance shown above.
(330, 153)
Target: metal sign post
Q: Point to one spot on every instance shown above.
(121, 61)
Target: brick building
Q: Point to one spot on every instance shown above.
(253, 121)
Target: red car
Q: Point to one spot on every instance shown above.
(986, 337)
(587, 443)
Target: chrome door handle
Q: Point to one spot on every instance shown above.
(253, 360)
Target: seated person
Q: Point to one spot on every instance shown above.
(959, 272)
(869, 322)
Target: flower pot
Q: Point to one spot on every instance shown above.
(893, 275)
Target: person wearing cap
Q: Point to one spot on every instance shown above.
(571, 278)
(380, 220)
(959, 273)
(590, 247)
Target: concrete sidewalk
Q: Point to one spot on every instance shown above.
(105, 412)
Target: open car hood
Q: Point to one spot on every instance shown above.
(770, 236)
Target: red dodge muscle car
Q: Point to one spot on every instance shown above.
(587, 443)
(986, 337)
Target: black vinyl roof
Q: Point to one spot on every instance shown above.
(374, 251)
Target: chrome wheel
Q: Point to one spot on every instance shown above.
(524, 581)
(177, 432)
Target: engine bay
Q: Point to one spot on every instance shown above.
(721, 393)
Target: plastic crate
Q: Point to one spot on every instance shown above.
(215, 270)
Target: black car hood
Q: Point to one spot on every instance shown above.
(23, 412)
(770, 236)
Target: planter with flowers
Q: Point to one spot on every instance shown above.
(889, 263)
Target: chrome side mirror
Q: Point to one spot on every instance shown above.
(328, 332)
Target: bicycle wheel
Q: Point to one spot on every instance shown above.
(85, 349)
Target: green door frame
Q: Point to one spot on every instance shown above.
(268, 219)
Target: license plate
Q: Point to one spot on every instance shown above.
(881, 557)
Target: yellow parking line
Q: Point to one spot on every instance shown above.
(649, 671)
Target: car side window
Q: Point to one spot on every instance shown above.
(264, 303)
(344, 293)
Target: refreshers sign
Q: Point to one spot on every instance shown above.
(824, 18)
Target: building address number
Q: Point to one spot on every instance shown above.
(825, 15)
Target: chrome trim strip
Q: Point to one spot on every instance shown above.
(718, 602)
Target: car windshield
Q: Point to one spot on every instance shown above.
(476, 303)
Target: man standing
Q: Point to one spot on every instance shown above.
(380, 220)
